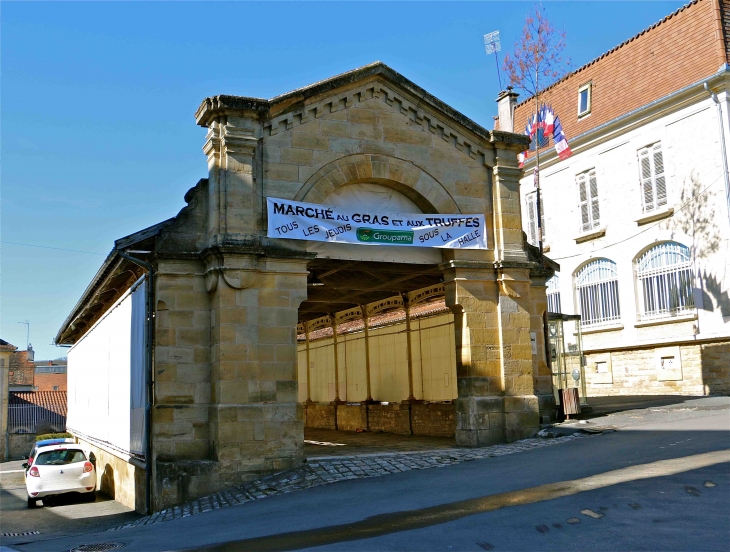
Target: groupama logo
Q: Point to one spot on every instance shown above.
(372, 235)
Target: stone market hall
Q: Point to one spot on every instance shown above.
(203, 347)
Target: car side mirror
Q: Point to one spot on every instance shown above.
(24, 465)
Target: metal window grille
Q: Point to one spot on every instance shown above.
(553, 294)
(665, 278)
(597, 290)
(531, 207)
(590, 213)
(24, 418)
(651, 173)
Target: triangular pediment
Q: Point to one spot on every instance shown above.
(374, 82)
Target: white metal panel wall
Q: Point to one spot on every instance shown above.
(100, 367)
(434, 363)
(302, 371)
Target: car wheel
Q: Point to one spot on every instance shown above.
(32, 502)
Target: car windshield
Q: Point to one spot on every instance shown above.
(59, 457)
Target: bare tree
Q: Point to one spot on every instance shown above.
(536, 61)
(537, 57)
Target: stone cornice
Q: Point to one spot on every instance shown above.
(289, 110)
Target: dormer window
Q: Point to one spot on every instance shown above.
(584, 99)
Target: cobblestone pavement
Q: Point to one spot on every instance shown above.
(325, 470)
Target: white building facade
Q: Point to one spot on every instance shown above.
(638, 220)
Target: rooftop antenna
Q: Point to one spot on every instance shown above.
(492, 45)
(27, 333)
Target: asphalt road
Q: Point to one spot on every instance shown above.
(70, 514)
(661, 482)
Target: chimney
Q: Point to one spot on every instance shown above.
(30, 355)
(506, 102)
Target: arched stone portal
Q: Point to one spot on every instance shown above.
(229, 299)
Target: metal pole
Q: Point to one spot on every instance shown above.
(309, 375)
(409, 351)
(337, 361)
(363, 308)
(538, 209)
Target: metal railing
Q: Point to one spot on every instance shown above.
(25, 418)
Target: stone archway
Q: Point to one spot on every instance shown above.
(404, 176)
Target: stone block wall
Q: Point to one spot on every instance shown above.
(702, 369)
(182, 363)
(351, 417)
(430, 419)
(434, 419)
(321, 416)
(715, 361)
(389, 418)
(117, 478)
(19, 444)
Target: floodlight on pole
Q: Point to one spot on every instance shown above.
(492, 45)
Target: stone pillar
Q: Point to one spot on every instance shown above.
(491, 304)
(255, 420)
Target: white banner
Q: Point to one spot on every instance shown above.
(307, 221)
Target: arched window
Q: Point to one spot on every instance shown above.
(665, 281)
(597, 290)
(553, 294)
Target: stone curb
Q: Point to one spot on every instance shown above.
(330, 469)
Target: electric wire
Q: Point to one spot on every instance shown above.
(49, 247)
(649, 227)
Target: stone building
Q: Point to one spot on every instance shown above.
(638, 216)
(228, 302)
(6, 352)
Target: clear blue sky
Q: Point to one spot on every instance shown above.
(98, 135)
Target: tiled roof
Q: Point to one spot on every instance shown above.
(683, 48)
(5, 346)
(385, 319)
(55, 401)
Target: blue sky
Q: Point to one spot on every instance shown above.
(98, 135)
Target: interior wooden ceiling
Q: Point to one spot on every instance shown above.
(347, 284)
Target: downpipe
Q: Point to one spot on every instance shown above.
(148, 374)
(722, 144)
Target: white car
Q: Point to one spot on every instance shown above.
(59, 469)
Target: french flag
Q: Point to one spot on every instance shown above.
(561, 144)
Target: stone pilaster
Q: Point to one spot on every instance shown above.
(255, 420)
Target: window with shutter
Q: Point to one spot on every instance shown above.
(651, 174)
(590, 212)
